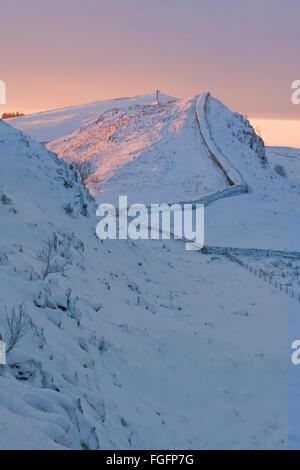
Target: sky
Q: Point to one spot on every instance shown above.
(67, 52)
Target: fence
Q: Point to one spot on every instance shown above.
(264, 276)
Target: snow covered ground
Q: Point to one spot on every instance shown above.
(141, 345)
(50, 125)
(268, 216)
(287, 157)
(155, 154)
(152, 154)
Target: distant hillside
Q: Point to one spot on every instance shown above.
(12, 115)
(50, 125)
(127, 345)
(158, 154)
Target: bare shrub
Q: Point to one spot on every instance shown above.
(16, 325)
(85, 169)
(47, 258)
(68, 209)
(280, 170)
(5, 200)
(102, 346)
(11, 115)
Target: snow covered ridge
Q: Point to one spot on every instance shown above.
(232, 174)
(194, 150)
(160, 149)
(234, 125)
(267, 216)
(127, 345)
(50, 125)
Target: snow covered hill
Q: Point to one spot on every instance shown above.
(288, 159)
(150, 153)
(51, 125)
(268, 216)
(128, 345)
(156, 154)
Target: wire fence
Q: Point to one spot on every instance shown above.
(268, 278)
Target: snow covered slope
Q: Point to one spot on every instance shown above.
(160, 154)
(268, 216)
(288, 158)
(132, 345)
(50, 125)
(150, 153)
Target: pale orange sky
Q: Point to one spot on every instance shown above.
(284, 133)
(67, 52)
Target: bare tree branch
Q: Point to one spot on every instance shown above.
(85, 169)
(47, 257)
(16, 325)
